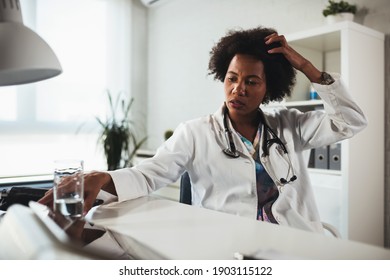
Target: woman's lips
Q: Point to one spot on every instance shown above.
(236, 104)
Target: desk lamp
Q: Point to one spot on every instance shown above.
(24, 56)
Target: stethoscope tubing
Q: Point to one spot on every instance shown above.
(232, 152)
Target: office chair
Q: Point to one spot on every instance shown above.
(331, 229)
(186, 198)
(185, 189)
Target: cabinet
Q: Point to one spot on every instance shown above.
(352, 198)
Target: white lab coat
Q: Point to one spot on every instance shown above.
(229, 184)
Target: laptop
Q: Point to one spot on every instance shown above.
(41, 234)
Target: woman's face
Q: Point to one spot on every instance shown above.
(245, 85)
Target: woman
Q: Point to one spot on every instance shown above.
(240, 159)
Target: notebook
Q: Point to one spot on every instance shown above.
(78, 237)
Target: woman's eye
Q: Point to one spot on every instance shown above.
(251, 82)
(232, 79)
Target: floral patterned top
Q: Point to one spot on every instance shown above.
(267, 192)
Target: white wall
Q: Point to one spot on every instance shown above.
(182, 32)
(138, 70)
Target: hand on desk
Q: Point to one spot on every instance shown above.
(93, 183)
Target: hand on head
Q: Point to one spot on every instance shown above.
(296, 60)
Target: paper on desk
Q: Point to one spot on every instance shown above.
(106, 197)
(106, 243)
(271, 254)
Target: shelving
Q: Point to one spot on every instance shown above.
(352, 198)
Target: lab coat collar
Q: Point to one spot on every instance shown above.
(219, 115)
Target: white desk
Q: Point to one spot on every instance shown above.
(150, 228)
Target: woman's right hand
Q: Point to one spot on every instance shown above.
(93, 183)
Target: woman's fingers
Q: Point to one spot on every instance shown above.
(296, 60)
(279, 43)
(66, 185)
(47, 199)
(93, 183)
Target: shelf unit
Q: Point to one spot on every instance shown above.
(351, 199)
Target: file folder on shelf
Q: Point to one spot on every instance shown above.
(321, 158)
(335, 156)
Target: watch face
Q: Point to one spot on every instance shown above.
(326, 79)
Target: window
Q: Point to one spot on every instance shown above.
(55, 118)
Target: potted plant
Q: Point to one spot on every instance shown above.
(339, 11)
(167, 134)
(118, 135)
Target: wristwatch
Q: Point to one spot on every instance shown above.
(326, 79)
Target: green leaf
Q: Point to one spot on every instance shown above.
(118, 136)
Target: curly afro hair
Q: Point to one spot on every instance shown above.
(279, 73)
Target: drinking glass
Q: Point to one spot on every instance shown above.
(69, 188)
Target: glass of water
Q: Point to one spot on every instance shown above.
(68, 189)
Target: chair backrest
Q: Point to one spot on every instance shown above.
(185, 189)
(331, 229)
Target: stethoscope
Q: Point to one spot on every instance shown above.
(232, 152)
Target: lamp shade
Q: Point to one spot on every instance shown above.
(24, 56)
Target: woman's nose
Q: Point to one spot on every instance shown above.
(239, 89)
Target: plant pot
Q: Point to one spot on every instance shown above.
(339, 17)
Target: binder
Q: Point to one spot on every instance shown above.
(311, 160)
(335, 156)
(321, 156)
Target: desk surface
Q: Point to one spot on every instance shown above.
(151, 228)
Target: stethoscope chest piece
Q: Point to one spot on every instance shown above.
(229, 152)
